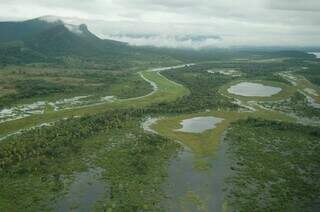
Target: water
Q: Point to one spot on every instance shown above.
(199, 124)
(253, 89)
(207, 185)
(83, 193)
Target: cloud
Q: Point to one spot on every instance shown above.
(240, 22)
(295, 5)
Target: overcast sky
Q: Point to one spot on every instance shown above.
(174, 22)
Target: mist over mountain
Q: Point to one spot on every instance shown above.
(50, 39)
(62, 41)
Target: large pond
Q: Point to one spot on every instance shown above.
(253, 89)
(199, 124)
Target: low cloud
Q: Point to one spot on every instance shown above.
(176, 23)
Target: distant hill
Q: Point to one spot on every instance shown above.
(49, 40)
(54, 37)
(13, 31)
(52, 40)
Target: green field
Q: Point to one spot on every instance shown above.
(207, 143)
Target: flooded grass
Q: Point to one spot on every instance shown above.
(167, 91)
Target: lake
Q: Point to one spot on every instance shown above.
(253, 89)
(199, 124)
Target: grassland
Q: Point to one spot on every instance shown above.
(167, 91)
(206, 143)
(31, 84)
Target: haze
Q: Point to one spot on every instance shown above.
(184, 23)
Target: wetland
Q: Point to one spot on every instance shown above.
(170, 138)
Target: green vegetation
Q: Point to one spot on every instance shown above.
(29, 84)
(312, 73)
(134, 165)
(207, 143)
(167, 91)
(204, 91)
(38, 41)
(136, 168)
(275, 166)
(297, 104)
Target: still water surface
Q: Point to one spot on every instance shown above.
(199, 124)
(253, 89)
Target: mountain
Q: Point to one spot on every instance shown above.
(49, 39)
(13, 31)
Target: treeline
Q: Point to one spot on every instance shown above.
(30, 82)
(204, 92)
(32, 88)
(312, 73)
(301, 106)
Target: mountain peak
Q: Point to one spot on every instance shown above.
(76, 29)
(50, 19)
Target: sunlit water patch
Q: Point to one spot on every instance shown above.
(22, 111)
(199, 124)
(253, 89)
(14, 113)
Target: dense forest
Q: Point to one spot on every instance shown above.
(275, 166)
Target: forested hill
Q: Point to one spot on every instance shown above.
(53, 41)
(50, 40)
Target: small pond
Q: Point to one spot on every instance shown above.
(253, 89)
(199, 124)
